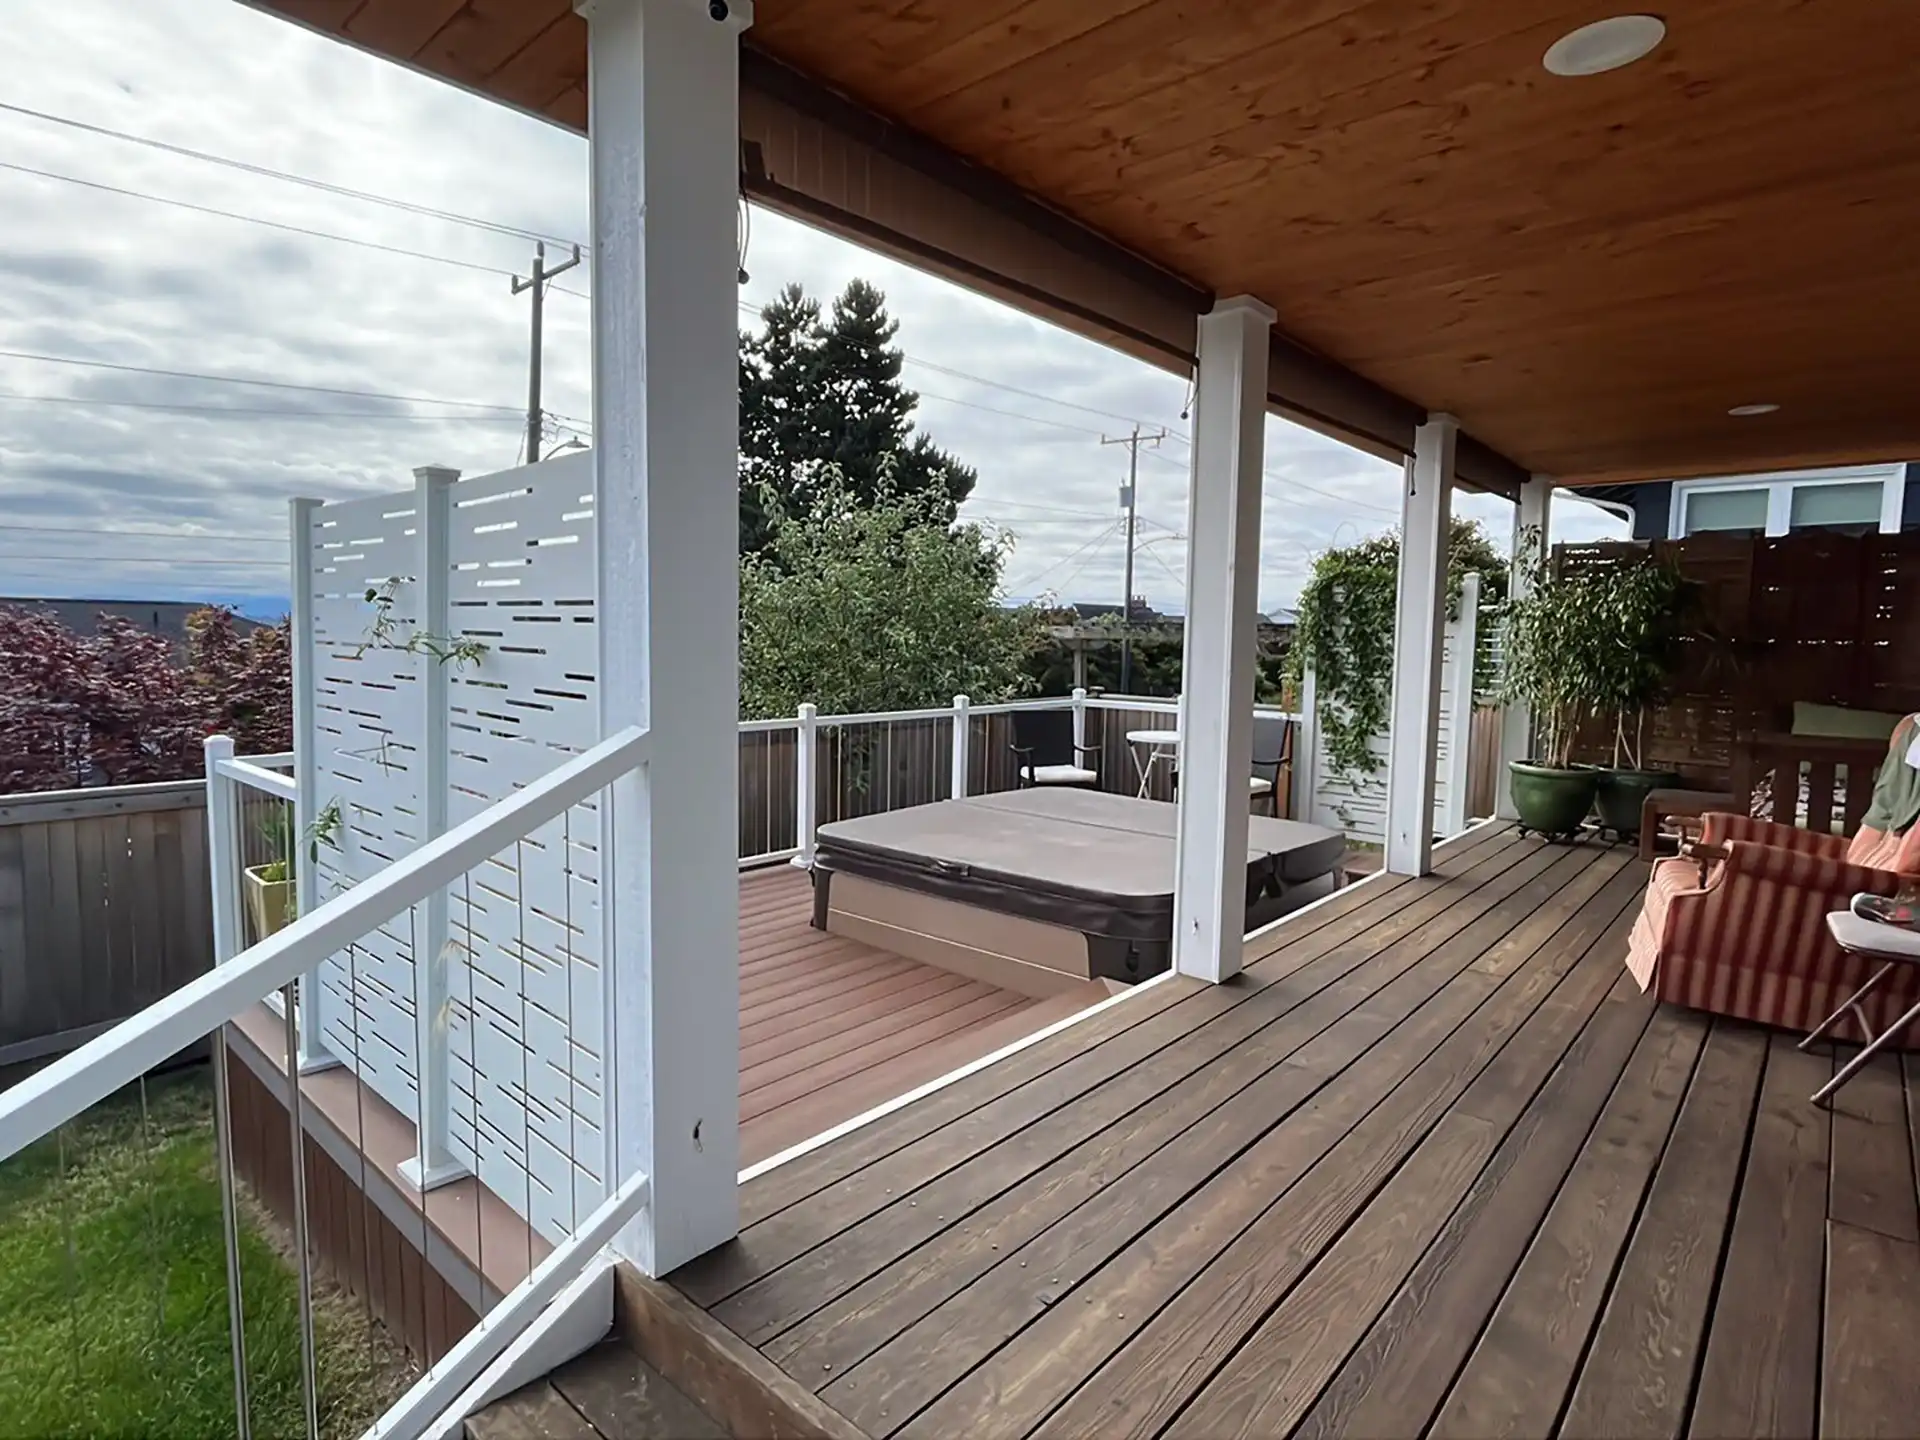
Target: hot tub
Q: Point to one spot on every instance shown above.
(1039, 890)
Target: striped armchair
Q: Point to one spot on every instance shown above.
(1739, 926)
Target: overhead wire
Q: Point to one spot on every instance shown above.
(251, 411)
(248, 380)
(268, 172)
(259, 220)
(280, 540)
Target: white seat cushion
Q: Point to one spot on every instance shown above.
(1061, 775)
(1258, 785)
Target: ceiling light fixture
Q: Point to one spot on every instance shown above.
(1766, 407)
(1605, 45)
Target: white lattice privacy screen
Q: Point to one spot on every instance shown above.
(523, 1027)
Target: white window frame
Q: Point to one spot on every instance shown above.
(1780, 485)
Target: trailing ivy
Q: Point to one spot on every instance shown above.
(1345, 629)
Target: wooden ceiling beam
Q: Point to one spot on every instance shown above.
(813, 153)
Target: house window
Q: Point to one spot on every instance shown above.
(1859, 499)
(1726, 510)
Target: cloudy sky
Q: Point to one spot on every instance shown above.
(119, 480)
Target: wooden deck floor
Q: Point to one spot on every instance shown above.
(1433, 1166)
(830, 1027)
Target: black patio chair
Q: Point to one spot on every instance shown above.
(1043, 749)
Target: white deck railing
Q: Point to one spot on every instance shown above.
(44, 1103)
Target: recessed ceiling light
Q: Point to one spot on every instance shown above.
(1764, 408)
(1605, 45)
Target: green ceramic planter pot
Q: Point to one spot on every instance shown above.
(1621, 793)
(1551, 801)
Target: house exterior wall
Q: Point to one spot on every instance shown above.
(1652, 504)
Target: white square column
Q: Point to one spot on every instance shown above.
(1531, 518)
(663, 130)
(1217, 666)
(1420, 617)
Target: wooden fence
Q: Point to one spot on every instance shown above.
(1819, 616)
(104, 909)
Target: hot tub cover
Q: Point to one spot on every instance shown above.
(1099, 863)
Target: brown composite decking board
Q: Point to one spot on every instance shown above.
(830, 1028)
(1432, 1166)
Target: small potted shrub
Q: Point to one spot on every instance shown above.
(269, 887)
(1644, 607)
(1556, 657)
(270, 902)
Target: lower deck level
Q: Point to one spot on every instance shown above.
(1432, 1165)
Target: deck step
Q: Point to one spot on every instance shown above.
(609, 1393)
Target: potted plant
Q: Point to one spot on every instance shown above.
(1643, 604)
(271, 901)
(1556, 664)
(269, 887)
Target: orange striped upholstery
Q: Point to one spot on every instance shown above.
(1752, 940)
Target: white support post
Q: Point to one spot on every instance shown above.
(309, 993)
(223, 853)
(1466, 639)
(1079, 719)
(1306, 748)
(1420, 613)
(1217, 667)
(806, 785)
(663, 85)
(433, 1163)
(962, 733)
(1531, 519)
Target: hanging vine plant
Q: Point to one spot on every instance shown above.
(1344, 629)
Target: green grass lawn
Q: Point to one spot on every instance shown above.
(113, 1288)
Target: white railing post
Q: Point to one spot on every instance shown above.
(224, 853)
(306, 773)
(962, 733)
(1465, 634)
(1420, 615)
(663, 127)
(1531, 518)
(433, 1163)
(1079, 717)
(806, 789)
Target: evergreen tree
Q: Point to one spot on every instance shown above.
(820, 388)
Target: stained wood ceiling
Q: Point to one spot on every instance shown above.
(1589, 272)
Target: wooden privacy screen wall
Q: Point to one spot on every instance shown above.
(523, 1030)
(1819, 616)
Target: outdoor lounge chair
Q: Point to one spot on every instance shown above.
(1044, 749)
(1272, 758)
(1738, 926)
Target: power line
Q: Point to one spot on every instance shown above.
(168, 561)
(1105, 533)
(154, 534)
(254, 411)
(497, 227)
(244, 380)
(258, 220)
(1301, 485)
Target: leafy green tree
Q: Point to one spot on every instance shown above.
(876, 602)
(824, 388)
(1345, 628)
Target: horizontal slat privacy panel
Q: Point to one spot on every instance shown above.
(523, 1027)
(1357, 804)
(367, 710)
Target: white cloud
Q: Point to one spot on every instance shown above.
(92, 275)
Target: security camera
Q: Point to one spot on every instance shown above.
(717, 9)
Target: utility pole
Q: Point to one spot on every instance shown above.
(1129, 499)
(538, 284)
